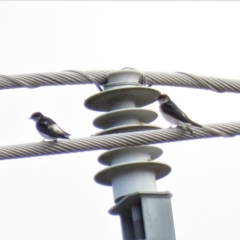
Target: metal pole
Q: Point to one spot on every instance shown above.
(138, 222)
(132, 172)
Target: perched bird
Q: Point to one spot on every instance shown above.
(47, 128)
(171, 112)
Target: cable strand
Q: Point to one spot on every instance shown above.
(70, 77)
(117, 140)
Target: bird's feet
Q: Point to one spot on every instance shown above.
(54, 140)
(190, 131)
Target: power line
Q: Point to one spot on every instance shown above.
(71, 77)
(117, 140)
(127, 164)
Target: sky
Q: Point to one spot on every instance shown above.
(56, 197)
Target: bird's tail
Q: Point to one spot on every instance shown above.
(195, 124)
(67, 134)
(64, 135)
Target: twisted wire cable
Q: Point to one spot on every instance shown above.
(70, 77)
(117, 140)
(89, 77)
(50, 79)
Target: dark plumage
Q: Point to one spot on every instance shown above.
(48, 128)
(173, 114)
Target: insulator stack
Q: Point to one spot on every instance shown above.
(132, 169)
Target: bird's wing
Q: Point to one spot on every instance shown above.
(53, 126)
(48, 126)
(43, 126)
(173, 110)
(57, 129)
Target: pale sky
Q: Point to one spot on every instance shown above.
(56, 197)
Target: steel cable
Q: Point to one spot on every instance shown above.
(116, 140)
(178, 79)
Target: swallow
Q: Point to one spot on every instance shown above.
(47, 128)
(173, 114)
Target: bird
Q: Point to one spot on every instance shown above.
(47, 128)
(173, 114)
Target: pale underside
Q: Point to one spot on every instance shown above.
(173, 120)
